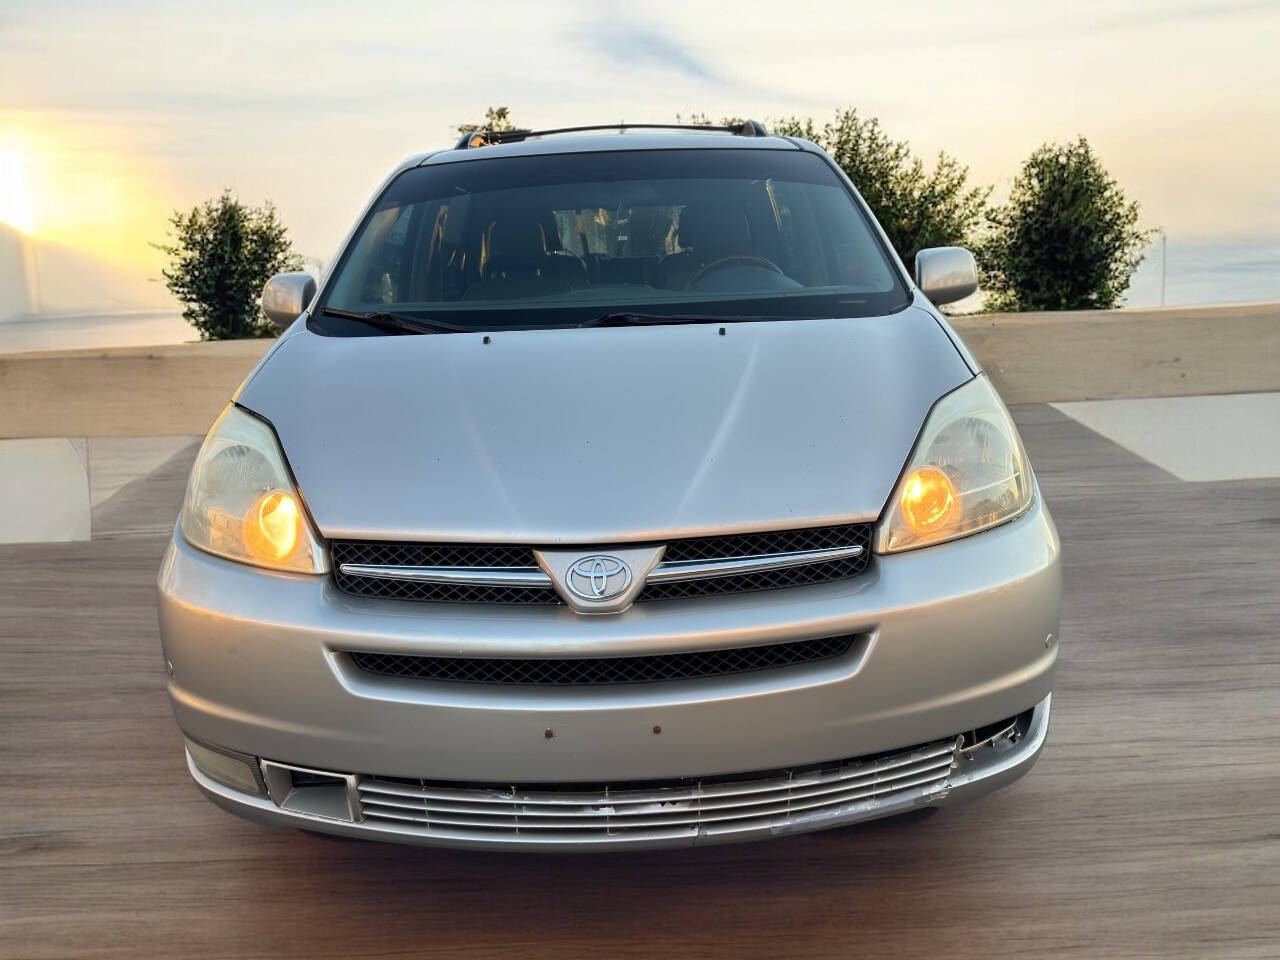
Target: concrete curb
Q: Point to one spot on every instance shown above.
(1034, 358)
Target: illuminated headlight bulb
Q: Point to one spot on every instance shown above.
(929, 500)
(272, 525)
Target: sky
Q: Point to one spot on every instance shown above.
(113, 114)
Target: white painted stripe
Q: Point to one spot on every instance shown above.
(44, 490)
(1228, 437)
(117, 461)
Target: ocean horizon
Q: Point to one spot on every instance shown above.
(1245, 270)
(1198, 273)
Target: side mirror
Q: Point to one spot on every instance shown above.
(946, 274)
(286, 295)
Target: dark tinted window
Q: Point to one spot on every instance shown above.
(553, 240)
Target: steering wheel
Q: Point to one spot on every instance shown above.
(730, 261)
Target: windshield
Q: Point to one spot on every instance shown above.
(514, 242)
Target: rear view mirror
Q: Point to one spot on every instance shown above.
(946, 274)
(286, 295)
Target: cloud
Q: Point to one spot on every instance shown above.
(638, 44)
(1142, 17)
(1177, 14)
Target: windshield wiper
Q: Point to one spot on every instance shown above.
(655, 319)
(402, 322)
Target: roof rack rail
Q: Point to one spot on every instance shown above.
(484, 138)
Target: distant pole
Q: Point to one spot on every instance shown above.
(29, 257)
(35, 262)
(1164, 262)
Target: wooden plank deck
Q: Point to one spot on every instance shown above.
(1149, 828)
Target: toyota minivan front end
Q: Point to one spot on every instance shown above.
(612, 490)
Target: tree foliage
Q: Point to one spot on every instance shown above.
(917, 207)
(496, 119)
(220, 256)
(701, 119)
(1067, 239)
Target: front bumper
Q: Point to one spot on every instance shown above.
(640, 818)
(956, 636)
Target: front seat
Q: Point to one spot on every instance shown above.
(517, 264)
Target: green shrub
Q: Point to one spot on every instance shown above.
(220, 256)
(496, 119)
(1067, 239)
(918, 208)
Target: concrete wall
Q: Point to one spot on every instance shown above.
(1099, 354)
(127, 391)
(1032, 357)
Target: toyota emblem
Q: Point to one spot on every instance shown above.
(598, 577)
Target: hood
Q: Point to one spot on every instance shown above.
(604, 435)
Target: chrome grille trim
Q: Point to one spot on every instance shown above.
(710, 569)
(714, 806)
(520, 578)
(525, 578)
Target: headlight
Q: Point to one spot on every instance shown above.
(242, 503)
(968, 472)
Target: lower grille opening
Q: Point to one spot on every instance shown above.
(317, 793)
(585, 671)
(306, 778)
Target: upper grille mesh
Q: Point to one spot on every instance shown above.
(753, 544)
(604, 670)
(388, 553)
(771, 541)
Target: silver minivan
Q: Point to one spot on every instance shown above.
(616, 487)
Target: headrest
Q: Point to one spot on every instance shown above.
(516, 241)
(715, 232)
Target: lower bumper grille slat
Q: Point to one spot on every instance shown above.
(800, 788)
(667, 811)
(685, 812)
